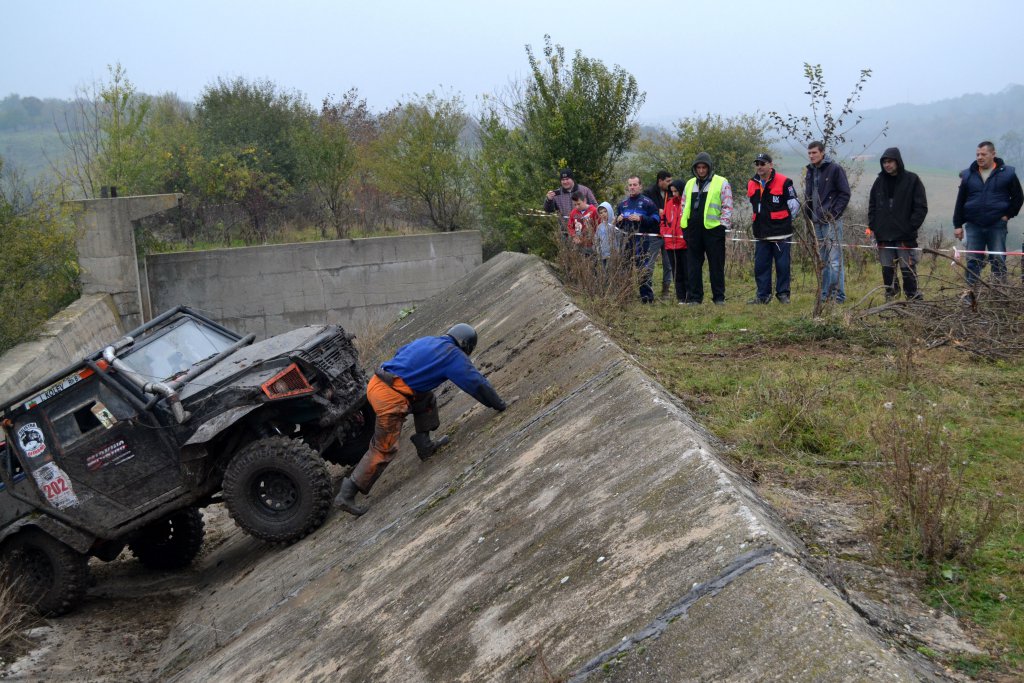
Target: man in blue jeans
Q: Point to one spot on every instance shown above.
(774, 205)
(827, 192)
(989, 196)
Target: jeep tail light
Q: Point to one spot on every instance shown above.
(288, 382)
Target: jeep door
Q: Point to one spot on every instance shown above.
(116, 460)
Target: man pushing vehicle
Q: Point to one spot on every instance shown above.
(405, 384)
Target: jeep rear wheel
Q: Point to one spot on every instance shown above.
(172, 542)
(277, 489)
(47, 573)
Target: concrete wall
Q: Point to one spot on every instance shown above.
(270, 289)
(106, 248)
(81, 328)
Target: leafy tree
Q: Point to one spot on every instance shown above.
(574, 113)
(420, 157)
(579, 112)
(328, 157)
(369, 205)
(105, 138)
(38, 258)
(732, 143)
(242, 115)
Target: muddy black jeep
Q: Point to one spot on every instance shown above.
(125, 447)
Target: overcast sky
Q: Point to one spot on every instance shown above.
(726, 56)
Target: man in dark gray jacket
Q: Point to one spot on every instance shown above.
(897, 208)
(827, 194)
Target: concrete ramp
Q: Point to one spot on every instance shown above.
(587, 533)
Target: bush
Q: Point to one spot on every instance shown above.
(37, 258)
(928, 510)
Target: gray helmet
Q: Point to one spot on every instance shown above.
(464, 336)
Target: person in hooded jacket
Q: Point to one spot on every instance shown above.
(897, 207)
(606, 235)
(672, 234)
(706, 215)
(405, 384)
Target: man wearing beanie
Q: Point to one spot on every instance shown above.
(560, 200)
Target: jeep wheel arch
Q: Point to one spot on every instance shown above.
(171, 542)
(49, 575)
(277, 489)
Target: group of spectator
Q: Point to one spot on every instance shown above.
(687, 223)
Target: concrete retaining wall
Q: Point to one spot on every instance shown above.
(270, 289)
(81, 328)
(106, 248)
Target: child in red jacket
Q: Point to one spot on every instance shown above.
(672, 233)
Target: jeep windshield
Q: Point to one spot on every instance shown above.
(174, 349)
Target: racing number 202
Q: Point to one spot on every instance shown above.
(55, 488)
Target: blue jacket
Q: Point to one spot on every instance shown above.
(650, 219)
(985, 203)
(425, 363)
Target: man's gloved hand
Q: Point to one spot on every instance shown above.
(489, 397)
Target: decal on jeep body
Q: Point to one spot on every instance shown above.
(30, 436)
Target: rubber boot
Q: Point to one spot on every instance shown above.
(892, 288)
(424, 446)
(346, 498)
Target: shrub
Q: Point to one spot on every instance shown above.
(928, 509)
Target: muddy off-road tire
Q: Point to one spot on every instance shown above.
(172, 542)
(48, 574)
(277, 489)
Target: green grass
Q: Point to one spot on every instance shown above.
(795, 396)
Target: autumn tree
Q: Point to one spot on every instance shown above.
(420, 157)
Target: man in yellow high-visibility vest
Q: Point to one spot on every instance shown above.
(706, 215)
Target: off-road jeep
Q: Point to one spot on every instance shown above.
(124, 448)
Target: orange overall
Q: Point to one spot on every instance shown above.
(392, 404)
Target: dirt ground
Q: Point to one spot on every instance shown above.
(117, 633)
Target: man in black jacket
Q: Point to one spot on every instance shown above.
(896, 210)
(659, 193)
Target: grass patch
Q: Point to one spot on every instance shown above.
(801, 401)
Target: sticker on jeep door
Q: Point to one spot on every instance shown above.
(112, 454)
(55, 485)
(57, 387)
(30, 437)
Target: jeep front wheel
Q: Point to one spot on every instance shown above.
(277, 489)
(46, 573)
(172, 542)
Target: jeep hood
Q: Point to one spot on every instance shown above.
(281, 345)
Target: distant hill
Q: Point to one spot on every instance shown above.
(943, 135)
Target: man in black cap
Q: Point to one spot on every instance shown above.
(774, 204)
(560, 200)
